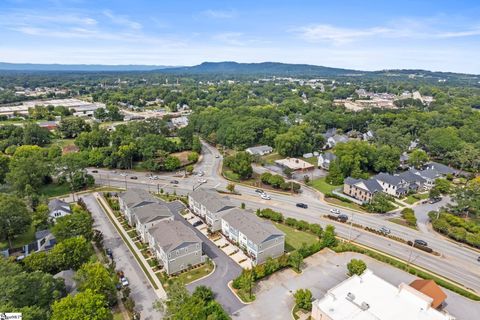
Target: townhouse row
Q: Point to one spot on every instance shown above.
(175, 245)
(259, 238)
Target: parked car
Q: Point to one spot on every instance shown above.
(94, 171)
(174, 182)
(198, 223)
(435, 200)
(202, 180)
(260, 191)
(335, 211)
(133, 177)
(478, 259)
(123, 174)
(109, 253)
(217, 156)
(385, 230)
(124, 281)
(265, 196)
(302, 205)
(421, 242)
(200, 174)
(342, 218)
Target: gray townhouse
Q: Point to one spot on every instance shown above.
(260, 238)
(134, 198)
(209, 206)
(147, 216)
(325, 159)
(175, 245)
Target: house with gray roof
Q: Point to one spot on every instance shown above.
(58, 208)
(259, 150)
(361, 189)
(325, 159)
(336, 139)
(134, 198)
(147, 216)
(392, 185)
(209, 206)
(258, 237)
(175, 245)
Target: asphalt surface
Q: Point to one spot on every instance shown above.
(225, 269)
(456, 262)
(141, 290)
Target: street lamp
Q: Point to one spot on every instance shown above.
(350, 229)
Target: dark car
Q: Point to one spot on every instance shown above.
(133, 178)
(109, 252)
(174, 182)
(478, 259)
(435, 200)
(419, 242)
(342, 218)
(198, 223)
(259, 191)
(302, 205)
(94, 171)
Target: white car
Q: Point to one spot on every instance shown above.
(265, 196)
(200, 174)
(202, 180)
(123, 174)
(335, 211)
(124, 281)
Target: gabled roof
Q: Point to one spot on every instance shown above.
(57, 204)
(170, 235)
(137, 197)
(410, 176)
(330, 133)
(340, 138)
(259, 149)
(328, 156)
(257, 230)
(431, 289)
(211, 200)
(152, 212)
(369, 185)
(388, 178)
(440, 168)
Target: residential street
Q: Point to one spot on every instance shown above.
(141, 290)
(456, 262)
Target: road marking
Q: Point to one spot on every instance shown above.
(217, 185)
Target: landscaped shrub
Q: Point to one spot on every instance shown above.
(278, 182)
(356, 266)
(270, 215)
(456, 228)
(409, 216)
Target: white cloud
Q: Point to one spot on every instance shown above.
(400, 29)
(219, 14)
(230, 38)
(122, 20)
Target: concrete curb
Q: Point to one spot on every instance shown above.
(236, 295)
(208, 275)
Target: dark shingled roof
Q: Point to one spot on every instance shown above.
(172, 234)
(211, 200)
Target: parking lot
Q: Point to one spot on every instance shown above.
(231, 250)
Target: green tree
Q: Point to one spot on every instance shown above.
(95, 277)
(231, 187)
(295, 260)
(172, 163)
(41, 217)
(440, 141)
(71, 167)
(71, 253)
(303, 299)
(387, 159)
(28, 168)
(380, 203)
(15, 218)
(418, 158)
(33, 134)
(72, 126)
(443, 185)
(79, 223)
(84, 305)
(241, 164)
(356, 266)
(329, 239)
(4, 162)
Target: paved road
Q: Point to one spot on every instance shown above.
(456, 262)
(141, 290)
(225, 270)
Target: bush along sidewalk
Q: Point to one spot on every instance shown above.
(349, 247)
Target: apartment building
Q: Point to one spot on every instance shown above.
(175, 245)
(147, 216)
(260, 238)
(209, 206)
(132, 199)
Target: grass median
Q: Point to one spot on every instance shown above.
(145, 270)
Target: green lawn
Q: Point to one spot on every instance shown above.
(411, 199)
(401, 222)
(311, 160)
(270, 158)
(322, 186)
(350, 205)
(295, 238)
(195, 274)
(117, 316)
(21, 240)
(54, 190)
(230, 175)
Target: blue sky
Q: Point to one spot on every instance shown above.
(367, 35)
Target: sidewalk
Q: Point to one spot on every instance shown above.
(160, 292)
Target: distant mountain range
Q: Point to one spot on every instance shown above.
(248, 69)
(76, 67)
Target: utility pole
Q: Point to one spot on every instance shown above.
(410, 255)
(350, 229)
(125, 182)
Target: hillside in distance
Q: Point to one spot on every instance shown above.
(77, 67)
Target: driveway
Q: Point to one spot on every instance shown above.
(323, 271)
(141, 290)
(225, 268)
